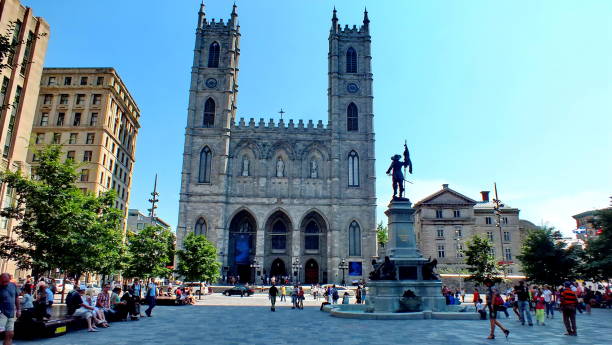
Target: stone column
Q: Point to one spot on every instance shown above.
(402, 239)
(260, 250)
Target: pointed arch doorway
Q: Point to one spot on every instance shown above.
(278, 268)
(311, 272)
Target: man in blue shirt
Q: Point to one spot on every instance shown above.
(151, 296)
(9, 307)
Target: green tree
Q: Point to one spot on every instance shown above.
(58, 226)
(597, 256)
(197, 261)
(382, 234)
(147, 252)
(481, 263)
(546, 259)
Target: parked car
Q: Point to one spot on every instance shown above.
(59, 284)
(95, 287)
(239, 290)
(195, 287)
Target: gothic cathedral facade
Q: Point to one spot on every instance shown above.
(281, 199)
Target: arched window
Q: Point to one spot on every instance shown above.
(353, 169)
(209, 113)
(352, 117)
(205, 164)
(351, 60)
(200, 227)
(311, 236)
(354, 239)
(213, 55)
(279, 235)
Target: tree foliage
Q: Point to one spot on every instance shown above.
(197, 261)
(382, 234)
(546, 259)
(597, 256)
(59, 226)
(481, 263)
(148, 252)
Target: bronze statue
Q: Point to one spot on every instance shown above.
(428, 269)
(384, 271)
(395, 170)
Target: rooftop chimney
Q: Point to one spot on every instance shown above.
(485, 195)
(445, 186)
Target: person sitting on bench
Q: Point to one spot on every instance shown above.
(83, 311)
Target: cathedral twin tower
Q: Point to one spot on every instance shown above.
(281, 199)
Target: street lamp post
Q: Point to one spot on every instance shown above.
(297, 266)
(497, 212)
(343, 265)
(255, 266)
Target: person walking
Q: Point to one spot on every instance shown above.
(283, 293)
(540, 305)
(10, 309)
(523, 302)
(549, 301)
(476, 296)
(151, 297)
(569, 301)
(300, 298)
(272, 293)
(494, 300)
(363, 294)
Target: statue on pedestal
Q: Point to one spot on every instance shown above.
(395, 170)
(384, 271)
(429, 270)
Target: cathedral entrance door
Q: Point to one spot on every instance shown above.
(311, 272)
(278, 269)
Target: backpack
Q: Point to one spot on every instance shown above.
(498, 300)
(335, 294)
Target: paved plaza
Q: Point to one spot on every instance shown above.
(235, 320)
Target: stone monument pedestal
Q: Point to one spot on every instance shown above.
(384, 295)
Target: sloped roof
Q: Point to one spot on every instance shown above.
(429, 199)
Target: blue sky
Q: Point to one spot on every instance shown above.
(513, 92)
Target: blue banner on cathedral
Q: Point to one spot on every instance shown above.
(354, 268)
(243, 249)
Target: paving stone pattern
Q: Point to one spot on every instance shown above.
(249, 321)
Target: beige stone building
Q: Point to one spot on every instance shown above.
(92, 114)
(446, 220)
(20, 81)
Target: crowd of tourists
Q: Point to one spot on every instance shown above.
(538, 303)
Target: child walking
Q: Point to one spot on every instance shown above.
(540, 307)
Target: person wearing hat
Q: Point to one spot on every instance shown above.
(569, 301)
(493, 304)
(84, 311)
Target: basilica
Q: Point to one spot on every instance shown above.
(293, 198)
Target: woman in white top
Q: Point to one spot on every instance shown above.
(98, 314)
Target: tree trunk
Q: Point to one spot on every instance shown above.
(63, 288)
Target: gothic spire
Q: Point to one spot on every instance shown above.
(201, 15)
(366, 20)
(334, 21)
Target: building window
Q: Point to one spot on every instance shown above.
(458, 232)
(15, 43)
(77, 119)
(57, 138)
(73, 138)
(213, 55)
(488, 220)
(440, 232)
(44, 119)
(84, 175)
(352, 118)
(70, 155)
(40, 138)
(490, 236)
(440, 250)
(48, 99)
(492, 251)
(205, 165)
(508, 254)
(100, 81)
(311, 236)
(87, 156)
(64, 99)
(60, 119)
(353, 169)
(67, 80)
(351, 60)
(5, 83)
(505, 220)
(90, 138)
(354, 239)
(456, 213)
(200, 227)
(460, 250)
(83, 80)
(27, 52)
(80, 98)
(11, 122)
(96, 98)
(93, 120)
(506, 236)
(439, 214)
(51, 81)
(139, 226)
(209, 113)
(279, 236)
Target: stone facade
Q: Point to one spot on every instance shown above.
(445, 220)
(90, 112)
(281, 195)
(19, 83)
